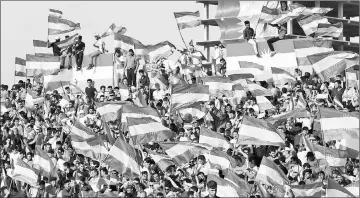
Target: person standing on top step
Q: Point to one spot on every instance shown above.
(79, 48)
(249, 35)
(100, 44)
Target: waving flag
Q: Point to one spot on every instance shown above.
(268, 15)
(331, 30)
(310, 23)
(67, 42)
(288, 16)
(307, 190)
(195, 109)
(225, 188)
(58, 26)
(109, 134)
(113, 29)
(263, 103)
(3, 109)
(213, 138)
(255, 89)
(55, 13)
(20, 67)
(259, 132)
(162, 161)
(81, 132)
(24, 173)
(221, 159)
(43, 162)
(93, 147)
(162, 49)
(329, 64)
(353, 188)
(183, 152)
(123, 158)
(109, 110)
(182, 94)
(237, 181)
(31, 99)
(187, 19)
(133, 111)
(281, 76)
(220, 85)
(335, 190)
(45, 65)
(333, 127)
(281, 118)
(97, 183)
(41, 48)
(270, 174)
(143, 130)
(310, 10)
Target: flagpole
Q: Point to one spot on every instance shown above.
(323, 135)
(260, 16)
(181, 33)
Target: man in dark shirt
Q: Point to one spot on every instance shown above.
(79, 48)
(56, 48)
(66, 53)
(90, 90)
(131, 66)
(249, 35)
(144, 80)
(282, 32)
(212, 189)
(337, 92)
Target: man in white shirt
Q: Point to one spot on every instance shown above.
(158, 93)
(100, 44)
(218, 55)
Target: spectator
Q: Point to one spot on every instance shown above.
(79, 48)
(282, 32)
(249, 36)
(100, 44)
(56, 48)
(66, 53)
(90, 90)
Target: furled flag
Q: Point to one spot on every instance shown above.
(41, 48)
(81, 131)
(309, 23)
(93, 147)
(225, 188)
(329, 30)
(161, 160)
(337, 125)
(328, 64)
(44, 163)
(24, 173)
(213, 138)
(31, 99)
(109, 110)
(335, 190)
(182, 94)
(123, 158)
(196, 110)
(20, 67)
(58, 26)
(259, 132)
(353, 188)
(144, 130)
(42, 65)
(183, 152)
(55, 13)
(281, 119)
(307, 190)
(113, 29)
(281, 76)
(220, 85)
(187, 19)
(334, 157)
(270, 174)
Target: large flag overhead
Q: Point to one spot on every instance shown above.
(187, 19)
(60, 26)
(335, 190)
(270, 174)
(225, 188)
(109, 110)
(41, 48)
(328, 64)
(196, 110)
(129, 110)
(20, 67)
(337, 125)
(189, 93)
(255, 89)
(67, 42)
(281, 76)
(221, 86)
(329, 30)
(282, 118)
(144, 130)
(307, 190)
(80, 131)
(161, 160)
(310, 23)
(213, 138)
(259, 132)
(43, 162)
(183, 152)
(55, 13)
(31, 99)
(221, 159)
(113, 29)
(123, 158)
(24, 173)
(42, 65)
(93, 147)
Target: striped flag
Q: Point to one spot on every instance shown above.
(189, 93)
(351, 146)
(42, 65)
(41, 48)
(143, 130)
(31, 99)
(282, 118)
(220, 85)
(97, 183)
(20, 67)
(238, 59)
(67, 42)
(133, 111)
(263, 103)
(255, 89)
(108, 133)
(162, 161)
(124, 42)
(183, 152)
(238, 182)
(124, 91)
(162, 49)
(288, 16)
(123, 158)
(225, 188)
(195, 109)
(329, 30)
(281, 76)
(328, 64)
(24, 173)
(352, 78)
(187, 19)
(55, 13)
(334, 157)
(310, 10)
(113, 29)
(259, 132)
(307, 190)
(268, 14)
(154, 78)
(309, 23)
(80, 131)
(270, 174)
(335, 190)
(59, 26)
(213, 138)
(332, 124)
(221, 159)
(109, 110)
(353, 188)
(306, 47)
(92, 147)
(43, 162)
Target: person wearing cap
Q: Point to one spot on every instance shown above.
(79, 48)
(282, 32)
(100, 44)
